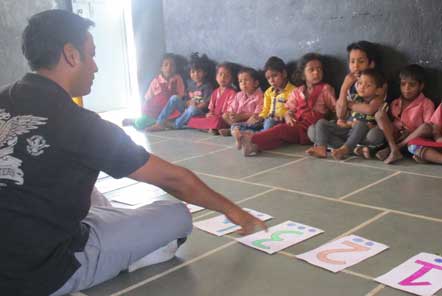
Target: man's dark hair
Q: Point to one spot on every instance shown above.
(414, 72)
(48, 32)
(275, 64)
(377, 76)
(370, 49)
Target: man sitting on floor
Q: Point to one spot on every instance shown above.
(51, 151)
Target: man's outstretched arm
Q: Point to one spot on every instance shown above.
(185, 185)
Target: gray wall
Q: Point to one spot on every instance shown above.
(13, 18)
(147, 18)
(249, 31)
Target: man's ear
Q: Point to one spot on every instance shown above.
(372, 65)
(71, 55)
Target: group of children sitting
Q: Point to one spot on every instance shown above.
(299, 113)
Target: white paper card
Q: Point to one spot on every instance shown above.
(280, 236)
(220, 225)
(108, 184)
(193, 208)
(145, 196)
(342, 253)
(420, 275)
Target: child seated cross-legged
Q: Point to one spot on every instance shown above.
(428, 146)
(307, 103)
(246, 105)
(355, 128)
(196, 101)
(407, 113)
(219, 101)
(162, 87)
(275, 97)
(362, 55)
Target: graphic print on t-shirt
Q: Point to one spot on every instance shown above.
(10, 129)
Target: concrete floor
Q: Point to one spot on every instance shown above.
(397, 205)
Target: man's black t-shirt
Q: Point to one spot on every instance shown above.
(51, 152)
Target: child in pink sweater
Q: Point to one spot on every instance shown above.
(219, 101)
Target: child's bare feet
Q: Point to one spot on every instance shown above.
(155, 128)
(248, 148)
(358, 151)
(362, 151)
(394, 155)
(317, 151)
(419, 155)
(236, 133)
(213, 131)
(419, 160)
(383, 153)
(225, 132)
(170, 124)
(340, 153)
(366, 152)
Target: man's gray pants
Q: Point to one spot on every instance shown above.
(119, 237)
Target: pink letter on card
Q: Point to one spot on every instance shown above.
(427, 266)
(323, 256)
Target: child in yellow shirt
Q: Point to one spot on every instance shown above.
(275, 97)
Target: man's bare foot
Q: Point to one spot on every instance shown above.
(340, 153)
(155, 128)
(317, 151)
(383, 153)
(236, 133)
(394, 155)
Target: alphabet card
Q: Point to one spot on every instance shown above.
(420, 275)
(342, 253)
(280, 236)
(193, 208)
(220, 225)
